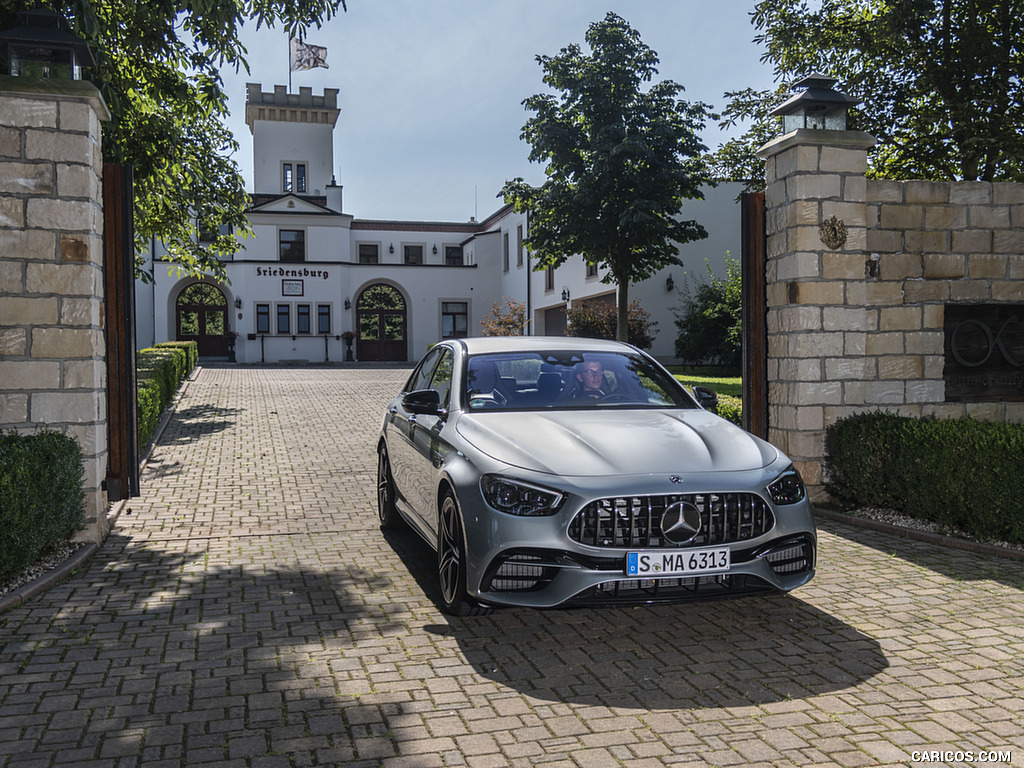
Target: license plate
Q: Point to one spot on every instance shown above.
(658, 563)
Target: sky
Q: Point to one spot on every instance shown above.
(431, 91)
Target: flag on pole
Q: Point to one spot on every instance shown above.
(305, 56)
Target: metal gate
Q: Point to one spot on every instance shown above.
(122, 481)
(755, 314)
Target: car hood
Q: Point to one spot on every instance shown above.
(615, 442)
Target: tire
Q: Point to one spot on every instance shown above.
(451, 561)
(386, 510)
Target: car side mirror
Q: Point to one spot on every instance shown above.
(706, 397)
(422, 401)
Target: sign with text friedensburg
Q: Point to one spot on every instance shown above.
(984, 352)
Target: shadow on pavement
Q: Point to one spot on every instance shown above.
(197, 421)
(728, 653)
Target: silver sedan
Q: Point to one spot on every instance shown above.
(560, 471)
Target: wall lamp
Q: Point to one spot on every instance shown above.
(435, 249)
(669, 283)
(391, 248)
(348, 304)
(238, 302)
(565, 294)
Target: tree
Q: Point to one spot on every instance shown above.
(509, 320)
(737, 159)
(158, 69)
(620, 161)
(710, 322)
(939, 80)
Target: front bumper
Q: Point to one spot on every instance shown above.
(541, 562)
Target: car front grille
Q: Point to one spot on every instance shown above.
(635, 521)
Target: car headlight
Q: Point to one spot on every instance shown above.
(514, 497)
(787, 488)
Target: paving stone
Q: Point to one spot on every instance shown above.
(248, 612)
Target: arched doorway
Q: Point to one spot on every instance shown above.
(381, 320)
(202, 316)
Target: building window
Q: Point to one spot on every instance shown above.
(414, 254)
(453, 255)
(504, 252)
(302, 318)
(262, 318)
(591, 269)
(323, 318)
(208, 235)
(294, 178)
(519, 245)
(284, 318)
(369, 253)
(549, 279)
(454, 319)
(292, 244)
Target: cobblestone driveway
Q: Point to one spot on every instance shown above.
(248, 612)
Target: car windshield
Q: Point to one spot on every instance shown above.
(569, 379)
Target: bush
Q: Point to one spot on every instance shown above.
(956, 473)
(710, 321)
(731, 409)
(600, 320)
(42, 503)
(509, 320)
(160, 371)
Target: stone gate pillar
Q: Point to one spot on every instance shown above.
(52, 349)
(815, 221)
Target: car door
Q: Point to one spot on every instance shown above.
(428, 444)
(404, 459)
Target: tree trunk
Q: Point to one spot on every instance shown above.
(622, 327)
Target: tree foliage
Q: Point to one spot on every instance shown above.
(507, 320)
(158, 69)
(599, 320)
(939, 80)
(620, 160)
(710, 321)
(737, 159)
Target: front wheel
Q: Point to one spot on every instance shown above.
(451, 561)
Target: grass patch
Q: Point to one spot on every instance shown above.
(713, 378)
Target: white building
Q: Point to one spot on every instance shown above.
(311, 272)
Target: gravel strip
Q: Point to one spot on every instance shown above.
(42, 566)
(901, 520)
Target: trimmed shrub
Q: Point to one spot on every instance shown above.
(956, 473)
(731, 409)
(42, 503)
(160, 371)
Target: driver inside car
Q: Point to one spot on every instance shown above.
(588, 382)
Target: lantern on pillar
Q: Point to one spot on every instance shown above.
(45, 47)
(816, 106)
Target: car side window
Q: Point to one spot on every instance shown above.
(420, 378)
(442, 379)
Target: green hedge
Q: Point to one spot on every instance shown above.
(42, 503)
(957, 472)
(731, 409)
(161, 370)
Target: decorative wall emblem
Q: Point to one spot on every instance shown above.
(833, 233)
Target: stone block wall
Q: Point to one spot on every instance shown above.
(52, 344)
(859, 326)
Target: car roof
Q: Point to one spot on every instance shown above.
(482, 345)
